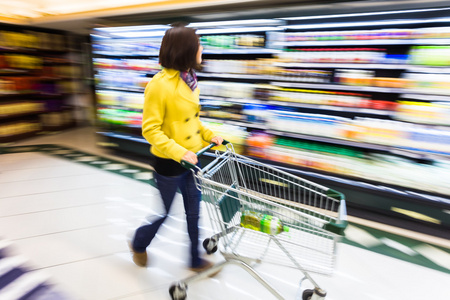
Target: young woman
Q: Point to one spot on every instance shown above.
(171, 125)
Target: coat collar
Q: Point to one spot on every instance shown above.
(171, 73)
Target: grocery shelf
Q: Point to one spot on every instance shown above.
(19, 115)
(333, 108)
(426, 97)
(126, 54)
(232, 100)
(400, 150)
(364, 42)
(331, 65)
(389, 66)
(120, 107)
(236, 123)
(340, 87)
(241, 51)
(233, 76)
(428, 69)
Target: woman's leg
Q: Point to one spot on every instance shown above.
(167, 186)
(191, 200)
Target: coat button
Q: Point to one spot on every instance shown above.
(188, 137)
(198, 131)
(196, 115)
(187, 120)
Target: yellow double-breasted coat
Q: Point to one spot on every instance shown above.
(170, 121)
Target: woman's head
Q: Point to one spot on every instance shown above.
(180, 49)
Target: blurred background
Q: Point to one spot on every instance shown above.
(351, 94)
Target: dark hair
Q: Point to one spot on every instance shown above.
(179, 49)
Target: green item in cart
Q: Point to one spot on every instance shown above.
(262, 222)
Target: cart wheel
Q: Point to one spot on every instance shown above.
(178, 291)
(210, 245)
(307, 294)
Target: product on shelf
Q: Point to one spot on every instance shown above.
(221, 109)
(424, 112)
(127, 47)
(429, 83)
(22, 61)
(320, 97)
(226, 89)
(238, 66)
(430, 55)
(234, 134)
(18, 128)
(242, 41)
(121, 99)
(369, 130)
(18, 108)
(334, 55)
(149, 65)
(22, 84)
(120, 117)
(119, 79)
(333, 36)
(386, 168)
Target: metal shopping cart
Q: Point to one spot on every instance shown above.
(263, 214)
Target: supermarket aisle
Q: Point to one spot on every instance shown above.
(70, 214)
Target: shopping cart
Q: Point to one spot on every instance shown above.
(263, 214)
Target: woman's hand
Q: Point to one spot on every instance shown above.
(217, 140)
(190, 157)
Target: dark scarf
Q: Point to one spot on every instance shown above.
(190, 78)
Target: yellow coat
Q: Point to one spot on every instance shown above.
(170, 122)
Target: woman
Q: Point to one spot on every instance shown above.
(171, 125)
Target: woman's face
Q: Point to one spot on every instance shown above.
(199, 54)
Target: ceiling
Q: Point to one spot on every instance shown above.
(80, 16)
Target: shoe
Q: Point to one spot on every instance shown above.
(139, 258)
(204, 265)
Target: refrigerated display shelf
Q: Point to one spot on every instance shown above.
(127, 108)
(365, 111)
(396, 62)
(406, 151)
(341, 87)
(241, 51)
(364, 42)
(426, 97)
(236, 123)
(356, 182)
(356, 110)
(126, 54)
(329, 65)
(232, 100)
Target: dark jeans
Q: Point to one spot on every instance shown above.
(168, 186)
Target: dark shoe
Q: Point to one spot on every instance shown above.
(139, 258)
(204, 265)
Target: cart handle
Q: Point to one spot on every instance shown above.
(189, 166)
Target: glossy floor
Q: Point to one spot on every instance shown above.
(72, 221)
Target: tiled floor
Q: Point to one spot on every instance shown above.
(70, 218)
